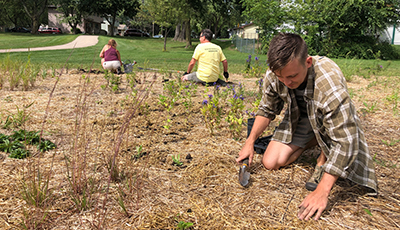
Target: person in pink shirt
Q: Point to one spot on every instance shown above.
(110, 57)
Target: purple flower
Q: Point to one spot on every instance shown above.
(241, 97)
(187, 86)
(247, 60)
(235, 96)
(381, 66)
(250, 57)
(210, 96)
(205, 102)
(260, 82)
(252, 114)
(256, 58)
(217, 88)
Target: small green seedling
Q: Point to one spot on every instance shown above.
(176, 160)
(182, 225)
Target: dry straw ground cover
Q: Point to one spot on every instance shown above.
(113, 166)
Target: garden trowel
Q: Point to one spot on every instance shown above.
(244, 174)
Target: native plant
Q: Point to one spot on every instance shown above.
(212, 112)
(235, 112)
(17, 119)
(188, 92)
(394, 98)
(113, 81)
(255, 69)
(172, 94)
(177, 160)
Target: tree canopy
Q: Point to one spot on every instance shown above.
(335, 28)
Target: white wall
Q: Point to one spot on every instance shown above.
(388, 34)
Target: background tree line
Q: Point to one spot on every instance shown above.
(334, 28)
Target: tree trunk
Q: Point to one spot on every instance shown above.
(165, 38)
(181, 36)
(112, 24)
(177, 29)
(35, 25)
(188, 35)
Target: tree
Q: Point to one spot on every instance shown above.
(269, 15)
(334, 28)
(34, 9)
(342, 28)
(221, 15)
(13, 14)
(165, 13)
(111, 9)
(74, 11)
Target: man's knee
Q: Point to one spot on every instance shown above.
(270, 165)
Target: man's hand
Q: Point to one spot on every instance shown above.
(185, 73)
(226, 75)
(316, 201)
(246, 152)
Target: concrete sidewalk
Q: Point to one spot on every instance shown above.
(80, 42)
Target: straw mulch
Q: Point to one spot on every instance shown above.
(157, 194)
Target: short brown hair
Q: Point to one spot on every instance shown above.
(207, 33)
(285, 47)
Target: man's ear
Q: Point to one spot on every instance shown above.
(309, 62)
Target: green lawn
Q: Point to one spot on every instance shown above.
(23, 40)
(148, 53)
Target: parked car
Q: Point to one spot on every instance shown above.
(136, 33)
(50, 30)
(20, 30)
(158, 36)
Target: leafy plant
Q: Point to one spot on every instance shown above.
(391, 142)
(19, 153)
(29, 137)
(212, 112)
(167, 124)
(139, 152)
(182, 225)
(369, 108)
(113, 81)
(395, 99)
(176, 160)
(255, 70)
(9, 146)
(17, 119)
(384, 163)
(172, 94)
(46, 145)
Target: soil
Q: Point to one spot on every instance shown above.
(97, 129)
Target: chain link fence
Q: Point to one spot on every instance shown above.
(246, 43)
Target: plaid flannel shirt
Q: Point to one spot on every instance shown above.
(332, 116)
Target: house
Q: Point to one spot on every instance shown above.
(90, 24)
(392, 35)
(106, 26)
(247, 31)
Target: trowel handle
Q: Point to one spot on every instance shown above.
(245, 162)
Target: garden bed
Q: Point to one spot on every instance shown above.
(149, 188)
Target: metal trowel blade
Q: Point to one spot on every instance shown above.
(244, 174)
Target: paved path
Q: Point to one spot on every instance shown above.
(80, 42)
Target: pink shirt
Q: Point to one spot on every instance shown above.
(111, 55)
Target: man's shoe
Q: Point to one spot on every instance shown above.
(312, 183)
